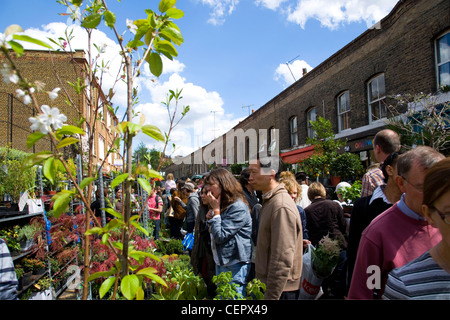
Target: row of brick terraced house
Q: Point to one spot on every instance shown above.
(55, 69)
(408, 51)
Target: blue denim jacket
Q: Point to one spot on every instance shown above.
(232, 231)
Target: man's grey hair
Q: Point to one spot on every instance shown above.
(423, 156)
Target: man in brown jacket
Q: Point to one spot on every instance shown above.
(279, 247)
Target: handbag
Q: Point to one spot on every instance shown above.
(188, 241)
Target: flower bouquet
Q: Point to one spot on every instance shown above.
(325, 257)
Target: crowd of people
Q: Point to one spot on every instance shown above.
(259, 224)
(395, 244)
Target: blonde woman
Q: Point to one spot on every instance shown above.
(294, 190)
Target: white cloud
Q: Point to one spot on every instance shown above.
(333, 13)
(330, 13)
(285, 74)
(198, 127)
(220, 9)
(270, 4)
(193, 132)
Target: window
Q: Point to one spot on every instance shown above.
(293, 131)
(443, 60)
(343, 107)
(270, 136)
(310, 116)
(101, 147)
(377, 94)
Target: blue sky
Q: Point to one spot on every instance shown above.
(234, 55)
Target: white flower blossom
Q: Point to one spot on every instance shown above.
(38, 124)
(25, 94)
(54, 93)
(49, 118)
(130, 25)
(4, 39)
(8, 74)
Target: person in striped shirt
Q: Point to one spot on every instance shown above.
(428, 276)
(8, 278)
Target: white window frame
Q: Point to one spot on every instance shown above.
(343, 111)
(379, 101)
(293, 131)
(101, 147)
(311, 115)
(439, 64)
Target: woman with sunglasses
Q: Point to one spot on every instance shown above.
(428, 276)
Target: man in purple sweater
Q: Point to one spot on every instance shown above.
(398, 235)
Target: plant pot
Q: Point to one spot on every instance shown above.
(39, 271)
(27, 278)
(335, 181)
(20, 284)
(26, 245)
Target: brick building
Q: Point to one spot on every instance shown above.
(53, 69)
(408, 51)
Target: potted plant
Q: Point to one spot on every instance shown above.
(36, 266)
(326, 149)
(11, 237)
(27, 236)
(346, 166)
(14, 179)
(19, 274)
(325, 257)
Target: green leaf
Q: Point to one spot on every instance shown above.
(133, 128)
(134, 44)
(106, 285)
(154, 277)
(153, 132)
(105, 238)
(17, 47)
(129, 286)
(77, 3)
(114, 213)
(165, 5)
(33, 138)
(166, 48)
(67, 142)
(61, 203)
(86, 182)
(35, 159)
(22, 37)
(69, 130)
(101, 274)
(145, 185)
(139, 227)
(144, 254)
(110, 19)
(118, 245)
(140, 294)
(114, 223)
(49, 170)
(118, 180)
(94, 230)
(172, 33)
(155, 63)
(92, 21)
(175, 13)
(154, 174)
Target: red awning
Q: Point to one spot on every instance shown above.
(297, 155)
